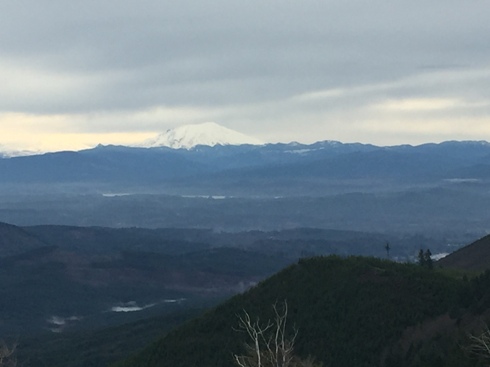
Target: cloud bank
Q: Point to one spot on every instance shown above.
(78, 74)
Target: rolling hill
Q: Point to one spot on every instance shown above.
(67, 278)
(73, 276)
(351, 311)
(15, 240)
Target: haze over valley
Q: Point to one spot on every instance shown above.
(427, 189)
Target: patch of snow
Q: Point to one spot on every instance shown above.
(300, 151)
(208, 133)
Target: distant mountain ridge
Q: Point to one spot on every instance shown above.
(234, 165)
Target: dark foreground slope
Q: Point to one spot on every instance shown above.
(349, 312)
(474, 257)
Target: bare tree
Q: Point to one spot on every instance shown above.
(269, 345)
(7, 355)
(480, 345)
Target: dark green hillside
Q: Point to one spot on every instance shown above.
(101, 347)
(350, 312)
(95, 240)
(474, 257)
(45, 282)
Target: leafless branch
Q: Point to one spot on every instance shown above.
(7, 357)
(481, 344)
(269, 344)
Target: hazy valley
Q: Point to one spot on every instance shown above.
(438, 188)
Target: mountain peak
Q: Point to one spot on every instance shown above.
(208, 133)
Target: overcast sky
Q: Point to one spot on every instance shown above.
(74, 74)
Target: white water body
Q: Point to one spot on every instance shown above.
(462, 180)
(116, 194)
(58, 323)
(174, 300)
(133, 306)
(214, 197)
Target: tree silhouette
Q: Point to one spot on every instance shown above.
(428, 259)
(421, 258)
(387, 248)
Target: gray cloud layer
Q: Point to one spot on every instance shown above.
(274, 68)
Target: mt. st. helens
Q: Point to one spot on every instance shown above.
(208, 133)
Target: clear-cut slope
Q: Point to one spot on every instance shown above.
(208, 133)
(474, 257)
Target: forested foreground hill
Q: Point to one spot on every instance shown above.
(353, 311)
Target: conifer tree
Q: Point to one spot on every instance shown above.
(428, 259)
(421, 258)
(387, 248)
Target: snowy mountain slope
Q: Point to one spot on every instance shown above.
(208, 133)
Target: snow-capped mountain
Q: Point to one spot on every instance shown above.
(208, 133)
